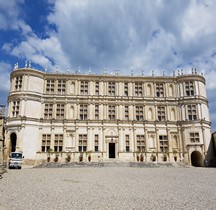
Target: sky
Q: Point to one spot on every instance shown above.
(124, 35)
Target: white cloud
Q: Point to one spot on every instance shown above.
(125, 35)
(5, 70)
(9, 12)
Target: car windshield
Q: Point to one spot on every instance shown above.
(16, 155)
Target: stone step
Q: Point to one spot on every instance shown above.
(108, 163)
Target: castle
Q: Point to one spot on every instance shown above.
(128, 118)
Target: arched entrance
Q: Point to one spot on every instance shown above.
(196, 159)
(13, 141)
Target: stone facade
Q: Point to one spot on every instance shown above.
(2, 128)
(108, 116)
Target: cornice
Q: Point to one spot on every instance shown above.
(114, 77)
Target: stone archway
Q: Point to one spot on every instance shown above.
(196, 159)
(13, 142)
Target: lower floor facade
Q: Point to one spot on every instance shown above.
(103, 141)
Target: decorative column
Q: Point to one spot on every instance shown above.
(76, 139)
(169, 142)
(131, 140)
(104, 143)
(146, 141)
(157, 142)
(120, 131)
(100, 139)
(89, 139)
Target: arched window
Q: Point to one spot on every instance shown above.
(171, 91)
(172, 114)
(174, 142)
(151, 141)
(71, 112)
(150, 114)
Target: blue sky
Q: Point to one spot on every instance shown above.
(141, 35)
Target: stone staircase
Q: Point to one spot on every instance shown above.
(114, 163)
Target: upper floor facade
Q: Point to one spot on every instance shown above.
(107, 97)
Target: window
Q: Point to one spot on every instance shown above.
(96, 112)
(192, 113)
(159, 90)
(111, 88)
(161, 113)
(46, 139)
(111, 112)
(127, 143)
(58, 143)
(163, 143)
(48, 111)
(139, 113)
(194, 137)
(189, 88)
(83, 111)
(61, 87)
(84, 88)
(126, 113)
(60, 111)
(126, 89)
(18, 83)
(50, 84)
(96, 142)
(140, 143)
(138, 89)
(97, 87)
(82, 143)
(15, 108)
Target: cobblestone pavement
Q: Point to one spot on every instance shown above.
(108, 188)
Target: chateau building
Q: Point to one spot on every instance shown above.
(2, 132)
(158, 118)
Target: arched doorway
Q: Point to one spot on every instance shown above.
(196, 159)
(13, 141)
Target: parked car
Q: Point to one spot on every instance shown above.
(15, 160)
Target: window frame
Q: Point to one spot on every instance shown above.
(83, 111)
(189, 88)
(139, 109)
(194, 137)
(97, 112)
(84, 87)
(82, 143)
(140, 143)
(15, 108)
(111, 88)
(160, 90)
(127, 143)
(138, 89)
(18, 83)
(60, 111)
(112, 112)
(96, 143)
(61, 87)
(50, 86)
(45, 142)
(192, 112)
(161, 113)
(58, 143)
(163, 143)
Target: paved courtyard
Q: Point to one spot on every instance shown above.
(108, 188)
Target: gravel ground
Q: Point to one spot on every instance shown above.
(108, 188)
